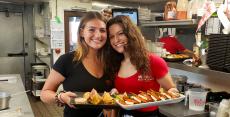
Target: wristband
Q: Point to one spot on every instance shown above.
(57, 97)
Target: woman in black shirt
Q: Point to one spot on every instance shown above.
(81, 70)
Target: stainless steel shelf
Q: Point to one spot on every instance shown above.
(45, 59)
(207, 72)
(170, 23)
(43, 40)
(36, 93)
(38, 80)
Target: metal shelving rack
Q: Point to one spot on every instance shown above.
(170, 23)
(40, 73)
(42, 50)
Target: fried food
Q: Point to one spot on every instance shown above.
(138, 98)
(145, 96)
(94, 97)
(153, 95)
(177, 56)
(86, 95)
(107, 99)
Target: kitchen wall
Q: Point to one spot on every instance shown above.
(65, 5)
(186, 37)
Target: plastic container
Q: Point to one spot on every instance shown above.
(40, 71)
(182, 6)
(197, 99)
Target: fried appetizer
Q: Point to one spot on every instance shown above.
(86, 95)
(138, 98)
(166, 95)
(153, 95)
(107, 99)
(94, 97)
(145, 96)
(130, 101)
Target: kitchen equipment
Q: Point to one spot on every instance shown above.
(181, 82)
(8, 79)
(40, 71)
(218, 56)
(5, 99)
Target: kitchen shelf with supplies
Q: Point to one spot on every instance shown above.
(170, 23)
(40, 73)
(36, 93)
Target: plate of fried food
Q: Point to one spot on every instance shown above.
(94, 99)
(175, 57)
(147, 99)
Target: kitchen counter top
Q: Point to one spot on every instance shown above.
(208, 72)
(179, 110)
(19, 104)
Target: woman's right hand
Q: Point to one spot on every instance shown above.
(65, 97)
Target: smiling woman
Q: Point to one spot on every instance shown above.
(81, 70)
(133, 68)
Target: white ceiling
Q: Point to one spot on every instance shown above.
(22, 1)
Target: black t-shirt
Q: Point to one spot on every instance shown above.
(77, 78)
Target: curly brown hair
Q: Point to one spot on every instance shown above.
(135, 48)
(82, 48)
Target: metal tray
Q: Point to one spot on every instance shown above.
(149, 104)
(88, 105)
(175, 59)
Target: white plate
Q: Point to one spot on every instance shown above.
(149, 104)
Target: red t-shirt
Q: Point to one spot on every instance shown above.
(172, 45)
(132, 84)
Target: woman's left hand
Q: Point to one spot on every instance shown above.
(114, 91)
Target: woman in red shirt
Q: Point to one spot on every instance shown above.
(133, 68)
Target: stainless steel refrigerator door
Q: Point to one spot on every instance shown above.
(11, 44)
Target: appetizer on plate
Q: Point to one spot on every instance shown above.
(145, 97)
(95, 98)
(176, 56)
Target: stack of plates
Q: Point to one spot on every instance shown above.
(218, 57)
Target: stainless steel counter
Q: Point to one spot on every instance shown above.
(197, 70)
(19, 104)
(180, 110)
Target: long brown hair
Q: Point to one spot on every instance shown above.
(135, 48)
(82, 48)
